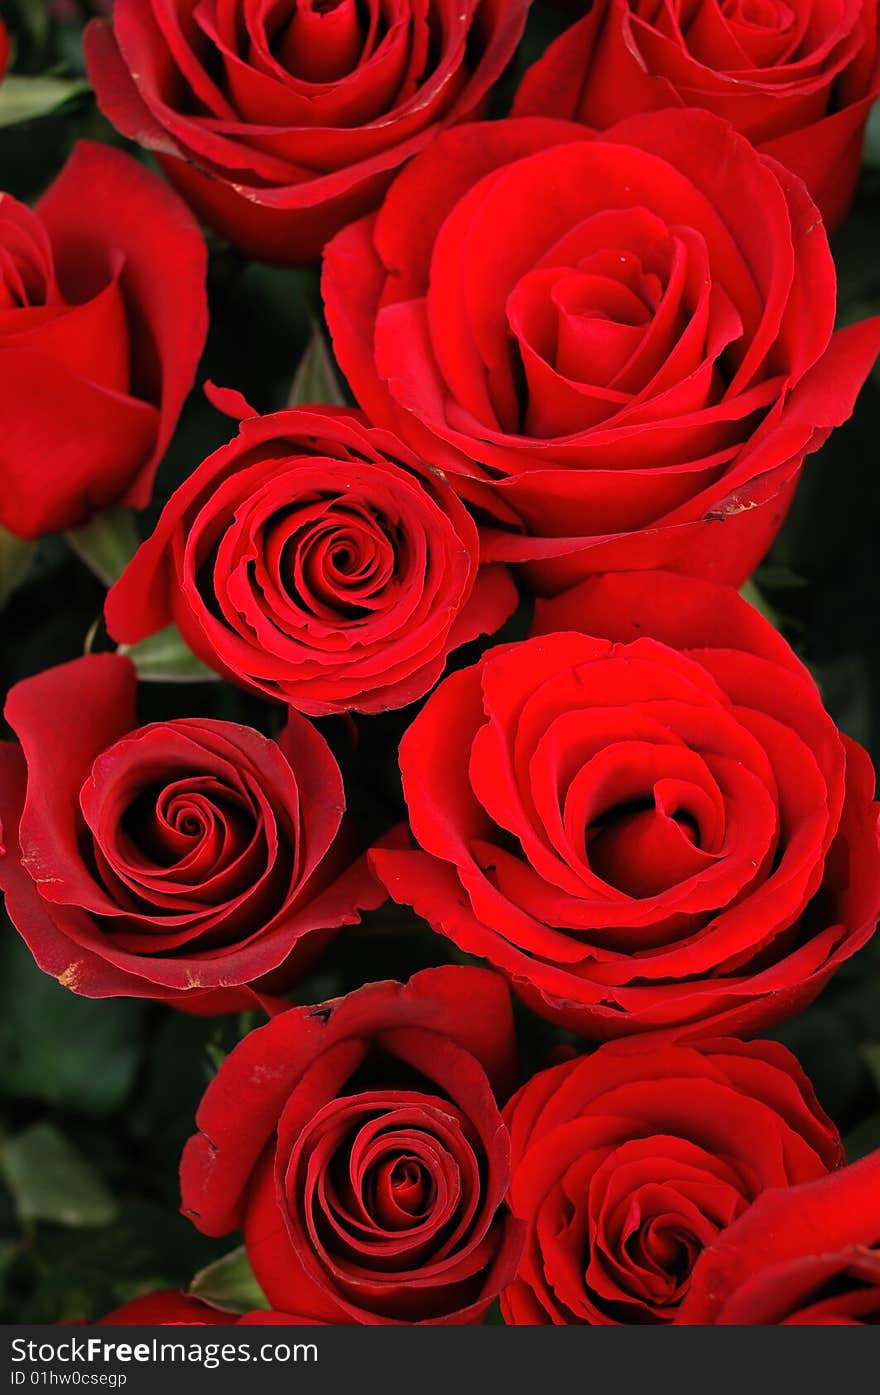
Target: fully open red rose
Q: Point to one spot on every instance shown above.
(797, 77)
(360, 1146)
(807, 1257)
(317, 560)
(621, 346)
(103, 316)
(179, 861)
(643, 815)
(280, 123)
(627, 1164)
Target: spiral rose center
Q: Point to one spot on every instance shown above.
(644, 850)
(322, 41)
(27, 275)
(338, 563)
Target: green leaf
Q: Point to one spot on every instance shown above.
(24, 98)
(16, 556)
(60, 1048)
(229, 1284)
(86, 1273)
(749, 592)
(317, 379)
(165, 658)
(50, 1181)
(106, 544)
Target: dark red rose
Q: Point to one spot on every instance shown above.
(805, 1257)
(103, 316)
(280, 123)
(167, 1308)
(316, 560)
(180, 861)
(796, 77)
(633, 373)
(4, 50)
(643, 815)
(360, 1146)
(627, 1164)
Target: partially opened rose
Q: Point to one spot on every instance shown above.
(103, 317)
(317, 560)
(360, 1146)
(643, 815)
(805, 1257)
(797, 77)
(629, 1163)
(620, 347)
(281, 122)
(190, 861)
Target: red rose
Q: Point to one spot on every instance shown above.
(167, 1308)
(644, 817)
(360, 1146)
(281, 123)
(103, 316)
(628, 1163)
(316, 560)
(4, 50)
(797, 80)
(810, 1256)
(179, 861)
(634, 372)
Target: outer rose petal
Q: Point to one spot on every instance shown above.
(763, 1268)
(167, 1309)
(72, 446)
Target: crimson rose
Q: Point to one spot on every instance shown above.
(316, 560)
(280, 123)
(103, 316)
(180, 861)
(797, 78)
(360, 1146)
(628, 1163)
(4, 50)
(809, 1256)
(169, 1308)
(633, 373)
(643, 815)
